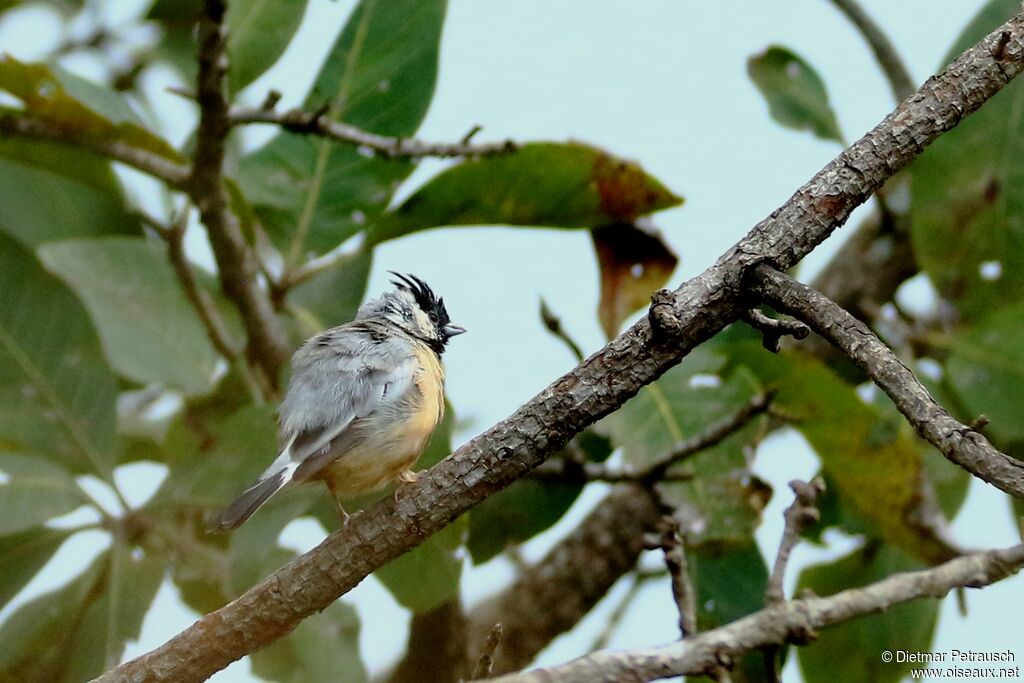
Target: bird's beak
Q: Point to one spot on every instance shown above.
(450, 331)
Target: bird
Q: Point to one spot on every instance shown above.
(362, 401)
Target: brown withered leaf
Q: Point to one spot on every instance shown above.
(634, 261)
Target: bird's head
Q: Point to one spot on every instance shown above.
(414, 308)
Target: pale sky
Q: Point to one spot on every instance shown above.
(662, 82)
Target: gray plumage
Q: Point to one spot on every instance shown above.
(358, 391)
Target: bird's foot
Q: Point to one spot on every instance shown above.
(408, 476)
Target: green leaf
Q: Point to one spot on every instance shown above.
(730, 584)
(875, 466)
(150, 332)
(32, 491)
(561, 185)
(986, 370)
(116, 616)
(527, 507)
(634, 262)
(39, 634)
(25, 553)
(84, 110)
(258, 33)
(324, 647)
(907, 627)
(967, 207)
(332, 297)
(796, 95)
(379, 76)
(428, 575)
(57, 395)
(54, 192)
(233, 451)
(724, 498)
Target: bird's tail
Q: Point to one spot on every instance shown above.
(251, 500)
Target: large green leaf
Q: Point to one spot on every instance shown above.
(724, 499)
(150, 332)
(562, 185)
(78, 631)
(730, 584)
(55, 192)
(876, 467)
(85, 110)
(24, 554)
(324, 647)
(332, 297)
(57, 395)
(527, 507)
(968, 200)
(258, 33)
(428, 575)
(986, 370)
(38, 635)
(379, 76)
(115, 617)
(796, 95)
(32, 491)
(906, 627)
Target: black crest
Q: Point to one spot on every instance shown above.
(424, 295)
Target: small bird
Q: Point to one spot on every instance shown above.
(363, 400)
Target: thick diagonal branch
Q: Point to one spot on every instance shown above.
(607, 543)
(778, 625)
(268, 347)
(603, 382)
(958, 442)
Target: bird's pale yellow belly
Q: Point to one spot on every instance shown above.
(393, 439)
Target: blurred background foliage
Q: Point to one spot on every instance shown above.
(104, 360)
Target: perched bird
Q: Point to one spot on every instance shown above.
(362, 402)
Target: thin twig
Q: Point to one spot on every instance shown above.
(315, 123)
(671, 544)
(885, 52)
(268, 346)
(958, 442)
(799, 515)
(202, 302)
(580, 471)
(176, 175)
(486, 661)
(349, 249)
(553, 324)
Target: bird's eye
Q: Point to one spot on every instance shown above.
(433, 317)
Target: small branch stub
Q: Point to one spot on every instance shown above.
(773, 330)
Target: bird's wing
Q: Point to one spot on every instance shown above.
(347, 373)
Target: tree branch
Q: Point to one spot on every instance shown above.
(958, 442)
(779, 624)
(315, 123)
(268, 349)
(174, 174)
(535, 609)
(698, 309)
(885, 52)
